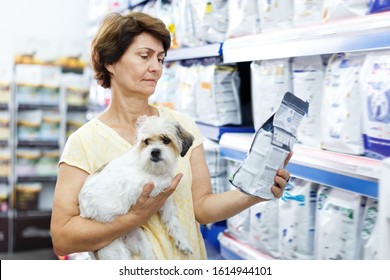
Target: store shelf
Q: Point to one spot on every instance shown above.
(215, 132)
(34, 213)
(3, 180)
(234, 249)
(31, 179)
(38, 143)
(370, 32)
(25, 106)
(77, 108)
(211, 50)
(353, 173)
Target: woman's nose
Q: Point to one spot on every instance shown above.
(155, 65)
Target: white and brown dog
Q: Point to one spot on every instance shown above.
(115, 187)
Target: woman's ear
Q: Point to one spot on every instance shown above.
(110, 68)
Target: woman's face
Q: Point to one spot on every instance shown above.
(140, 67)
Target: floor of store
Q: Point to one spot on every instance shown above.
(41, 254)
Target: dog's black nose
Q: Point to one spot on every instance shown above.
(156, 153)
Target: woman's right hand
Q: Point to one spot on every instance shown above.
(146, 205)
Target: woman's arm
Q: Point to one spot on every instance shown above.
(72, 233)
(211, 207)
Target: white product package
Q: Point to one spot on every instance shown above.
(215, 21)
(275, 14)
(308, 80)
(338, 224)
(339, 9)
(238, 225)
(217, 95)
(270, 147)
(270, 80)
(307, 12)
(186, 23)
(244, 18)
(217, 165)
(263, 227)
(375, 93)
(369, 233)
(186, 78)
(341, 128)
(297, 211)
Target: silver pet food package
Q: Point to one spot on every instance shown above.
(270, 147)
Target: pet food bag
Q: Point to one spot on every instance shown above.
(308, 80)
(340, 9)
(270, 80)
(264, 226)
(370, 231)
(270, 147)
(341, 128)
(244, 18)
(297, 212)
(338, 224)
(374, 84)
(275, 14)
(307, 12)
(378, 6)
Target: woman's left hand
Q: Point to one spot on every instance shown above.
(281, 178)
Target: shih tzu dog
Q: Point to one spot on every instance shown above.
(115, 187)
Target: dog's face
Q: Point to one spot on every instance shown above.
(160, 142)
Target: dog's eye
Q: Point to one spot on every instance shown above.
(166, 140)
(146, 141)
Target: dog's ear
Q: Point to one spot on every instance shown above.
(186, 139)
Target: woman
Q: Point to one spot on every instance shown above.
(127, 56)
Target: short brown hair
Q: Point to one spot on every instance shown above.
(115, 35)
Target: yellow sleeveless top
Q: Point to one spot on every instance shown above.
(95, 144)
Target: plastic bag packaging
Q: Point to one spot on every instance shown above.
(338, 224)
(238, 225)
(308, 80)
(244, 18)
(214, 20)
(186, 78)
(263, 227)
(375, 95)
(307, 12)
(217, 165)
(270, 79)
(165, 93)
(275, 14)
(297, 209)
(369, 232)
(270, 147)
(341, 128)
(339, 9)
(186, 23)
(217, 100)
(378, 6)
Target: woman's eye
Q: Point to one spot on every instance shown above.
(161, 60)
(144, 56)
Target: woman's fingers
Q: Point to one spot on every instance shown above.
(280, 182)
(287, 160)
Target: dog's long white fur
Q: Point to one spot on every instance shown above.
(113, 189)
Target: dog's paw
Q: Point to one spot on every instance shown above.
(184, 247)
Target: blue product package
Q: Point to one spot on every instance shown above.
(378, 6)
